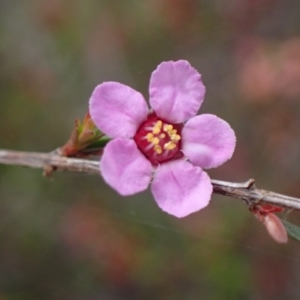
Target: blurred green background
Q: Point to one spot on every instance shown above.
(72, 237)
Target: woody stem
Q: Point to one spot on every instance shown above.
(50, 162)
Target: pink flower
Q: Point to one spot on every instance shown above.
(158, 142)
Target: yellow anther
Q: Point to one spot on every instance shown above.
(149, 137)
(157, 127)
(174, 131)
(162, 136)
(168, 127)
(159, 123)
(175, 137)
(169, 146)
(155, 141)
(156, 130)
(157, 149)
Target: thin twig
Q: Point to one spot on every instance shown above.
(51, 161)
(48, 161)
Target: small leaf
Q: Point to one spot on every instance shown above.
(292, 230)
(100, 143)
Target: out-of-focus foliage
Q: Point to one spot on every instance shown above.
(293, 230)
(72, 237)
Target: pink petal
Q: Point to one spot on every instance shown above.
(180, 188)
(208, 141)
(176, 91)
(117, 109)
(124, 167)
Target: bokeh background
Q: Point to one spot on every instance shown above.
(72, 237)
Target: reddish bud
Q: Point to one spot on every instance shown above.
(275, 228)
(265, 213)
(84, 134)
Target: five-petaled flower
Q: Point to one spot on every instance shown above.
(169, 143)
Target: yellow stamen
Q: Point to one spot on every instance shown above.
(174, 131)
(156, 130)
(162, 136)
(175, 137)
(168, 127)
(169, 146)
(157, 149)
(157, 127)
(149, 137)
(155, 141)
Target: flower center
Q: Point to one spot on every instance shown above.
(158, 140)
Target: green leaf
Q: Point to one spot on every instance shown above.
(292, 230)
(98, 144)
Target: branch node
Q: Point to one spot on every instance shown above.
(48, 170)
(250, 184)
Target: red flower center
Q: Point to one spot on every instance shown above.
(158, 140)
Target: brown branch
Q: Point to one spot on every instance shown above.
(48, 162)
(51, 161)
